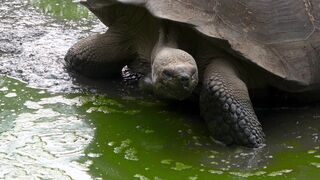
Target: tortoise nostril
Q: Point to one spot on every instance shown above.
(185, 80)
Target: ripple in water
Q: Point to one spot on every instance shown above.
(43, 141)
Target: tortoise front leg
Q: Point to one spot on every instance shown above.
(225, 105)
(100, 56)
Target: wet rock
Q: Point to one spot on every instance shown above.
(32, 45)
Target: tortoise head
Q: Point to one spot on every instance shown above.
(174, 74)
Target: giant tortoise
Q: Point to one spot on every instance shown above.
(231, 46)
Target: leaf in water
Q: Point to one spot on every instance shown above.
(111, 143)
(32, 105)
(317, 165)
(280, 173)
(141, 177)
(311, 151)
(180, 166)
(193, 178)
(247, 174)
(131, 154)
(166, 161)
(94, 155)
(124, 144)
(4, 89)
(10, 95)
(148, 131)
(103, 101)
(215, 172)
(131, 112)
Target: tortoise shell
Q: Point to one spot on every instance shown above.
(280, 36)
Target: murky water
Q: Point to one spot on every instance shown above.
(64, 133)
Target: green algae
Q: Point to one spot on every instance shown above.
(156, 143)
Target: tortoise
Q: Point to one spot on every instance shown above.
(220, 49)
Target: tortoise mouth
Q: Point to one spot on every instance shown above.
(174, 88)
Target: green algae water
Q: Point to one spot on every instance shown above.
(87, 136)
(68, 135)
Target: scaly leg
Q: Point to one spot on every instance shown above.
(225, 105)
(100, 56)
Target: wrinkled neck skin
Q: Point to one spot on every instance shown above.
(134, 23)
(167, 38)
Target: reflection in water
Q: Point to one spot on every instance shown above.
(40, 139)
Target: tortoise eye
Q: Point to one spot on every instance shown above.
(168, 72)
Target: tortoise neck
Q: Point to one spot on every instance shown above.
(168, 35)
